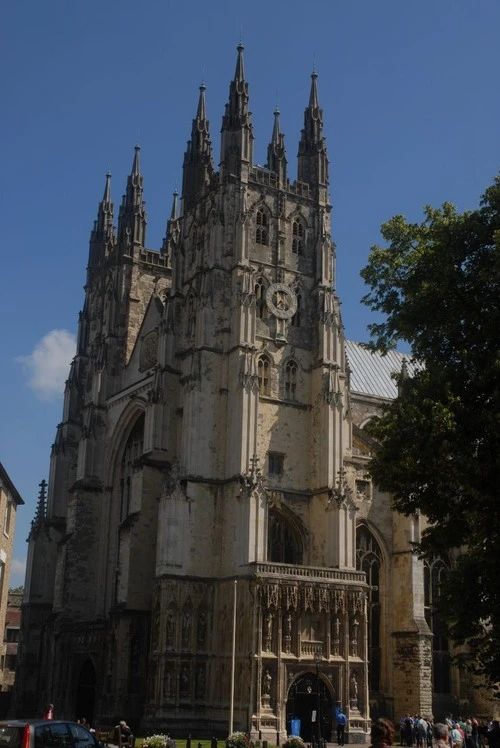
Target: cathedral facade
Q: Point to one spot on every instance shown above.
(210, 551)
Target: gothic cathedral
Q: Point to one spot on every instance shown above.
(210, 550)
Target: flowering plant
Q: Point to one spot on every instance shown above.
(294, 741)
(238, 740)
(158, 741)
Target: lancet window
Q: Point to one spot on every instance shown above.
(133, 450)
(260, 299)
(264, 375)
(298, 234)
(369, 560)
(434, 572)
(291, 380)
(284, 544)
(296, 319)
(262, 227)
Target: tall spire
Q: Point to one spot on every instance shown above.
(103, 234)
(276, 154)
(132, 217)
(239, 73)
(313, 159)
(237, 131)
(198, 166)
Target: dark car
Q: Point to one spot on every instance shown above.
(45, 733)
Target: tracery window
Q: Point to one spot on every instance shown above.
(298, 238)
(434, 571)
(260, 299)
(284, 544)
(296, 319)
(133, 450)
(264, 375)
(290, 379)
(369, 560)
(262, 227)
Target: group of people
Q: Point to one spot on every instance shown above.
(425, 733)
(417, 730)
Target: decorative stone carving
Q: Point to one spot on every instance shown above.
(354, 638)
(268, 631)
(149, 351)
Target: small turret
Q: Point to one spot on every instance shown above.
(41, 510)
(198, 165)
(237, 130)
(103, 233)
(172, 234)
(276, 154)
(313, 159)
(132, 217)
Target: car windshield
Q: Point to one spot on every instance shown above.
(11, 737)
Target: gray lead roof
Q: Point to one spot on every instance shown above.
(371, 372)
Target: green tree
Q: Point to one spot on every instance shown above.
(436, 286)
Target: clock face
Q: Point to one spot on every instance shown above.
(281, 301)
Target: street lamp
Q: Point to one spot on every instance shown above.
(317, 659)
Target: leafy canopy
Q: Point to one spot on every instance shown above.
(437, 286)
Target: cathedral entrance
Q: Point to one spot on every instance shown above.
(310, 702)
(85, 692)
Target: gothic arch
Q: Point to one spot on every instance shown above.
(306, 692)
(264, 370)
(290, 378)
(434, 570)
(370, 559)
(121, 433)
(285, 537)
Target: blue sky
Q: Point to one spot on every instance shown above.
(411, 108)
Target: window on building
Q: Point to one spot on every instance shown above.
(434, 572)
(10, 662)
(276, 462)
(297, 238)
(284, 544)
(133, 450)
(8, 517)
(369, 560)
(298, 313)
(264, 375)
(260, 299)
(11, 635)
(262, 227)
(290, 380)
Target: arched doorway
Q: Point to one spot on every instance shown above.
(85, 692)
(310, 701)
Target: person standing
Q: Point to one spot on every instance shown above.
(440, 734)
(341, 723)
(49, 712)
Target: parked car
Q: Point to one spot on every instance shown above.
(45, 733)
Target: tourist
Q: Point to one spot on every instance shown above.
(49, 712)
(382, 733)
(440, 733)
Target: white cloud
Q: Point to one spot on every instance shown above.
(17, 572)
(48, 364)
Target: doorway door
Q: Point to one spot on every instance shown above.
(310, 701)
(85, 692)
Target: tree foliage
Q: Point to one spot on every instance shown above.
(437, 286)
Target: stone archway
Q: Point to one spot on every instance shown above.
(310, 700)
(85, 692)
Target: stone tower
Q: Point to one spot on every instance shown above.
(206, 538)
